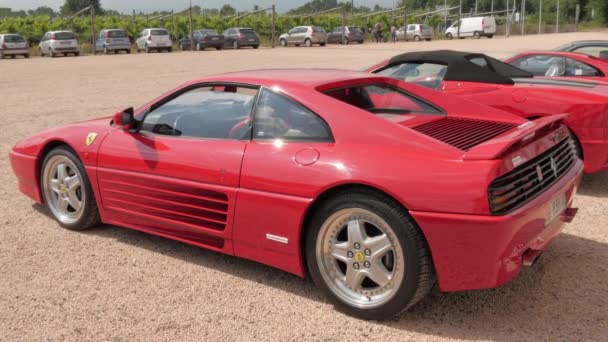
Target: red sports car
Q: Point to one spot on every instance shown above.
(486, 80)
(561, 64)
(374, 187)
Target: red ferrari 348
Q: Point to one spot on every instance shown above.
(486, 80)
(374, 187)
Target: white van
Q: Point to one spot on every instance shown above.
(472, 27)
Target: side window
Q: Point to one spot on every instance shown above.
(410, 27)
(102, 34)
(591, 50)
(279, 117)
(213, 112)
(576, 68)
(479, 61)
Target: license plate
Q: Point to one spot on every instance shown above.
(252, 40)
(215, 38)
(64, 43)
(556, 208)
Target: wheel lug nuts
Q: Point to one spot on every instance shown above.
(356, 266)
(349, 254)
(357, 245)
(367, 252)
(367, 264)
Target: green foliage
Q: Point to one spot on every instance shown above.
(73, 6)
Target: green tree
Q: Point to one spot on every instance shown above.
(73, 6)
(227, 10)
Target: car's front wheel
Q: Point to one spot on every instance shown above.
(367, 255)
(67, 191)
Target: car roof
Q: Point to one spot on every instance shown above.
(460, 68)
(571, 54)
(308, 77)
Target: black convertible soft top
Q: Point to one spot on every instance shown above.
(460, 66)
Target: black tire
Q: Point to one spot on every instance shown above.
(170, 50)
(360, 42)
(419, 277)
(477, 35)
(449, 36)
(416, 38)
(490, 36)
(428, 39)
(27, 55)
(90, 216)
(128, 51)
(77, 54)
(322, 44)
(308, 42)
(256, 46)
(218, 47)
(283, 42)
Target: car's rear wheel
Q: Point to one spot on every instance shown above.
(283, 42)
(66, 190)
(477, 35)
(308, 43)
(27, 55)
(256, 46)
(449, 36)
(417, 38)
(490, 36)
(367, 255)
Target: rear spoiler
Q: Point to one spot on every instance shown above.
(524, 133)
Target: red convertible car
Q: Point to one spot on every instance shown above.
(562, 64)
(489, 81)
(374, 187)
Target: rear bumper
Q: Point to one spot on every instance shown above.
(66, 49)
(246, 42)
(26, 170)
(14, 51)
(595, 154)
(113, 47)
(477, 252)
(159, 45)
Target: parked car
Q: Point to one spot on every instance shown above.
(374, 187)
(304, 35)
(596, 48)
(416, 32)
(113, 40)
(486, 80)
(351, 34)
(561, 64)
(205, 38)
(157, 39)
(59, 42)
(238, 37)
(13, 45)
(475, 27)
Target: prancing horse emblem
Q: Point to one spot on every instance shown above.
(91, 138)
(539, 173)
(554, 167)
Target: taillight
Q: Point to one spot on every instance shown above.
(54, 37)
(4, 46)
(149, 38)
(241, 35)
(108, 34)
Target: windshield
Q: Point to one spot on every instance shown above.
(159, 32)
(383, 99)
(64, 36)
(425, 74)
(14, 39)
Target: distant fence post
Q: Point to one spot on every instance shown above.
(507, 21)
(459, 16)
(522, 17)
(557, 18)
(578, 12)
(540, 16)
(93, 38)
(274, 26)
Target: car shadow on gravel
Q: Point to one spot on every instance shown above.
(562, 297)
(595, 185)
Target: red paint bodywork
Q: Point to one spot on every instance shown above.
(227, 195)
(598, 63)
(587, 108)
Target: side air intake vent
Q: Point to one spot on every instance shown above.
(463, 133)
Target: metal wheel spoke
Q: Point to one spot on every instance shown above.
(72, 182)
(54, 185)
(379, 274)
(339, 250)
(356, 231)
(353, 278)
(62, 203)
(62, 171)
(379, 245)
(73, 200)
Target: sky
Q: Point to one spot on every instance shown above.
(127, 6)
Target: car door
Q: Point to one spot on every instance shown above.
(44, 43)
(228, 37)
(178, 174)
(291, 35)
(411, 30)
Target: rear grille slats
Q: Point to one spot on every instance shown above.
(461, 133)
(527, 181)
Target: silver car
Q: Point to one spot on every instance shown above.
(113, 40)
(416, 32)
(59, 42)
(304, 35)
(13, 45)
(154, 39)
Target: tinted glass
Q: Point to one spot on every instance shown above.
(117, 34)
(159, 32)
(247, 31)
(279, 117)
(354, 29)
(64, 36)
(381, 99)
(425, 74)
(209, 31)
(550, 65)
(318, 29)
(214, 112)
(480, 61)
(592, 50)
(13, 39)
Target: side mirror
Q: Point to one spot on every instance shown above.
(124, 119)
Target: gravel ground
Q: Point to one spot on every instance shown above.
(116, 284)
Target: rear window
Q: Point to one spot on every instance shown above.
(247, 31)
(159, 32)
(354, 29)
(117, 34)
(424, 27)
(64, 36)
(383, 99)
(14, 39)
(209, 31)
(318, 29)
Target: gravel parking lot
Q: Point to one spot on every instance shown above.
(116, 284)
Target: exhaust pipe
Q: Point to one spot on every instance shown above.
(530, 257)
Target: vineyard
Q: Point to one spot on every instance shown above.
(34, 27)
